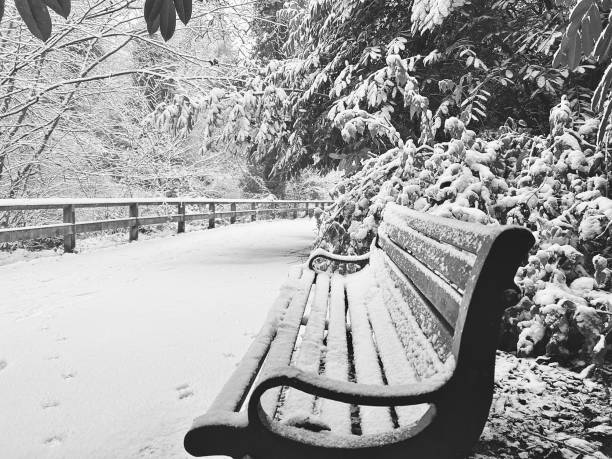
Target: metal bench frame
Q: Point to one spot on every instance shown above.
(238, 426)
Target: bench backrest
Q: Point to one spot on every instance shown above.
(453, 275)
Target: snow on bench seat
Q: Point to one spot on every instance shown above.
(388, 348)
(335, 414)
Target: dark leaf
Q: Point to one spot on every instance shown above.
(560, 57)
(151, 10)
(588, 41)
(599, 96)
(183, 9)
(61, 7)
(167, 20)
(578, 11)
(153, 26)
(604, 122)
(36, 16)
(603, 42)
(604, 57)
(573, 47)
(595, 22)
(1, 9)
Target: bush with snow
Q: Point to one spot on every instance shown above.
(556, 186)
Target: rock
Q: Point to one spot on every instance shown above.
(536, 386)
(586, 372)
(602, 420)
(602, 430)
(550, 414)
(568, 454)
(590, 385)
(499, 404)
(580, 444)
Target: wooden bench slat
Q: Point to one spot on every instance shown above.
(309, 353)
(397, 368)
(367, 369)
(281, 348)
(413, 318)
(334, 414)
(452, 263)
(441, 295)
(463, 235)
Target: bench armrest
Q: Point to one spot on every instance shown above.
(348, 392)
(361, 260)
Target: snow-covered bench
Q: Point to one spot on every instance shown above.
(395, 360)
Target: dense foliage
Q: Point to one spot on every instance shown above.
(354, 78)
(555, 185)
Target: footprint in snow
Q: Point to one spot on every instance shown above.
(184, 391)
(53, 357)
(68, 376)
(49, 404)
(3, 364)
(227, 355)
(61, 338)
(56, 440)
(146, 451)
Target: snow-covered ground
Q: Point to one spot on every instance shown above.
(110, 353)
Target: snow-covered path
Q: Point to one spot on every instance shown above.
(111, 353)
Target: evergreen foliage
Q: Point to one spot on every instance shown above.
(361, 77)
(557, 186)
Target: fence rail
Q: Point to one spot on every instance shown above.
(70, 227)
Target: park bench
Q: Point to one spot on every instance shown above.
(395, 360)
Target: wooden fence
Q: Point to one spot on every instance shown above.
(70, 227)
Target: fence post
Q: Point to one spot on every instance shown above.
(233, 210)
(181, 222)
(254, 214)
(307, 211)
(134, 227)
(296, 204)
(211, 211)
(69, 239)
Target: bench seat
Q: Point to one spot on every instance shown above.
(394, 360)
